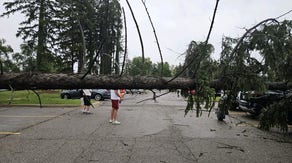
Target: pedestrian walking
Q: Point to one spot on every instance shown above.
(86, 100)
(116, 99)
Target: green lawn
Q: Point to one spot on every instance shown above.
(48, 97)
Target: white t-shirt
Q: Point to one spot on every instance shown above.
(114, 96)
(87, 92)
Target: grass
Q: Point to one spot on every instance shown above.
(48, 97)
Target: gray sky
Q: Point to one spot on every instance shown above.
(178, 22)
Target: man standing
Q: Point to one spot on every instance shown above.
(116, 99)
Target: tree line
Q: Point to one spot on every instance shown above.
(59, 34)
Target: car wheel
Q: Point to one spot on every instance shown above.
(66, 96)
(98, 97)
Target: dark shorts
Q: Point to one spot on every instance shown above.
(86, 100)
(115, 104)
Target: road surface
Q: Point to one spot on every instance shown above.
(154, 132)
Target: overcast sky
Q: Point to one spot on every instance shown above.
(178, 22)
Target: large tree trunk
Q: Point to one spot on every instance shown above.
(74, 81)
(23, 81)
(42, 64)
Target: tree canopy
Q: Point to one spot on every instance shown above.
(65, 33)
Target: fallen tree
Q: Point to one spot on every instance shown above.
(32, 81)
(23, 81)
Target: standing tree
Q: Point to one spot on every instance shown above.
(36, 28)
(110, 27)
(26, 59)
(66, 32)
(161, 69)
(70, 23)
(137, 67)
(6, 64)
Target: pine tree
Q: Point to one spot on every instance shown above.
(36, 27)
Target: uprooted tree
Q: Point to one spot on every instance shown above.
(89, 33)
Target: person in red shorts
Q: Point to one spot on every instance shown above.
(116, 99)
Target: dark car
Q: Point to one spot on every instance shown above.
(246, 101)
(100, 94)
(253, 103)
(135, 91)
(256, 103)
(97, 94)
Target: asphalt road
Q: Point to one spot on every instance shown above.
(154, 132)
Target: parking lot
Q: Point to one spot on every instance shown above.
(149, 132)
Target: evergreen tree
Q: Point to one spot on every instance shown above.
(26, 59)
(137, 67)
(6, 62)
(66, 32)
(109, 15)
(157, 69)
(36, 27)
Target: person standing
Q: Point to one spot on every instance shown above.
(116, 99)
(86, 100)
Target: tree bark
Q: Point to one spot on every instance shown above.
(27, 81)
(23, 81)
(42, 64)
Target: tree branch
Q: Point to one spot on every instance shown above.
(126, 42)
(247, 32)
(39, 98)
(157, 42)
(206, 42)
(92, 62)
(138, 30)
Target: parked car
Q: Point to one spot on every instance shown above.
(256, 103)
(70, 94)
(243, 99)
(100, 94)
(253, 103)
(135, 91)
(97, 94)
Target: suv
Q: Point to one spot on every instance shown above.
(97, 94)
